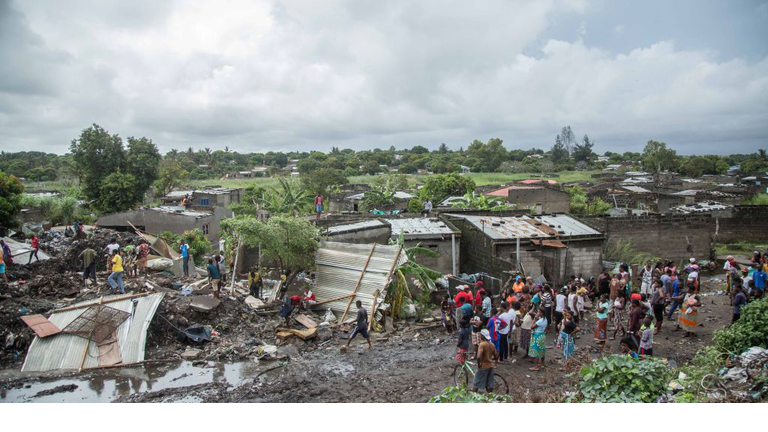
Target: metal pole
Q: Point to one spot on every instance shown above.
(517, 254)
(453, 253)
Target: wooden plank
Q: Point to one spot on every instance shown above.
(357, 285)
(303, 334)
(373, 307)
(40, 325)
(69, 308)
(333, 299)
(306, 321)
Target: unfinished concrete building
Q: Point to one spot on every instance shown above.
(155, 220)
(541, 197)
(555, 246)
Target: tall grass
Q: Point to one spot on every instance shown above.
(759, 199)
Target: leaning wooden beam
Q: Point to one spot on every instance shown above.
(69, 308)
(88, 341)
(357, 285)
(334, 299)
(373, 309)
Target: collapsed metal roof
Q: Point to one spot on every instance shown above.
(65, 351)
(529, 227)
(339, 266)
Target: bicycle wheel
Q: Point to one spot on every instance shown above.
(460, 376)
(500, 385)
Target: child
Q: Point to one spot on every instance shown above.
(477, 327)
(646, 338)
(448, 313)
(627, 347)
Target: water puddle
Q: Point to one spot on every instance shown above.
(109, 384)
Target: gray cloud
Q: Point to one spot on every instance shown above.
(363, 74)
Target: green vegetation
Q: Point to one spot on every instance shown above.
(759, 199)
(739, 248)
(462, 395)
(198, 243)
(580, 205)
(441, 186)
(382, 193)
(290, 242)
(58, 210)
(620, 378)
(624, 251)
(471, 200)
(750, 330)
(10, 200)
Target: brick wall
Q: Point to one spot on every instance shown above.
(550, 200)
(747, 223)
(676, 237)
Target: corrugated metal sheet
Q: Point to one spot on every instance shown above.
(419, 227)
(529, 227)
(63, 351)
(339, 229)
(339, 266)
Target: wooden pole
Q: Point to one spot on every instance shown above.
(69, 308)
(373, 310)
(234, 269)
(357, 285)
(333, 299)
(88, 341)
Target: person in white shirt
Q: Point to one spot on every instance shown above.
(646, 275)
(573, 302)
(509, 316)
(560, 300)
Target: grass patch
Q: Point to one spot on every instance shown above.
(759, 199)
(742, 248)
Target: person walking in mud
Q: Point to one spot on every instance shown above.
(361, 327)
(35, 244)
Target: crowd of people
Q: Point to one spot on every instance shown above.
(525, 314)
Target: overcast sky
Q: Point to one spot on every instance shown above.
(308, 75)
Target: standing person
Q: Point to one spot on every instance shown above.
(604, 284)
(88, 256)
(493, 327)
(690, 312)
(760, 277)
(184, 249)
(110, 250)
(646, 277)
(602, 311)
(560, 300)
(427, 208)
(7, 254)
(666, 282)
(448, 313)
(130, 259)
(486, 357)
(2, 270)
(142, 255)
(35, 244)
(619, 315)
(517, 287)
(731, 271)
(658, 301)
(646, 339)
(678, 293)
(509, 316)
(580, 301)
(538, 348)
(636, 316)
(477, 326)
(487, 305)
(565, 339)
(463, 344)
(546, 304)
(115, 278)
(739, 300)
(614, 287)
(361, 327)
(289, 305)
(318, 205)
(214, 277)
(573, 303)
(479, 291)
(255, 283)
(525, 332)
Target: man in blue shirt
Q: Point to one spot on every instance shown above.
(677, 296)
(184, 248)
(214, 277)
(760, 277)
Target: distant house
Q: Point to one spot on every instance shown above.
(175, 219)
(464, 169)
(542, 195)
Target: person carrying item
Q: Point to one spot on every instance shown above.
(88, 256)
(184, 249)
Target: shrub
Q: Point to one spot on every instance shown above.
(750, 330)
(619, 378)
(415, 205)
(462, 395)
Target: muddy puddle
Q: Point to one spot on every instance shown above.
(108, 385)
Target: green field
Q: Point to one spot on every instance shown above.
(480, 179)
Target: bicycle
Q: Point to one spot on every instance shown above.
(463, 372)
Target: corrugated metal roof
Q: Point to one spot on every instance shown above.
(419, 227)
(636, 189)
(339, 266)
(398, 195)
(64, 351)
(339, 229)
(504, 192)
(529, 227)
(21, 251)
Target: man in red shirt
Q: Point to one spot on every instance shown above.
(478, 295)
(464, 296)
(318, 205)
(35, 247)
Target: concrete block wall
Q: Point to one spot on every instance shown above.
(747, 223)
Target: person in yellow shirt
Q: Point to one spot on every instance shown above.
(116, 278)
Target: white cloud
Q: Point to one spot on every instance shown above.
(299, 75)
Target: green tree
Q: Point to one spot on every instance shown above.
(568, 138)
(97, 154)
(559, 153)
(419, 150)
(143, 160)
(443, 149)
(11, 191)
(581, 205)
(583, 152)
(289, 198)
(322, 180)
(440, 186)
(170, 175)
(198, 243)
(657, 157)
(290, 242)
(116, 193)
(470, 200)
(486, 157)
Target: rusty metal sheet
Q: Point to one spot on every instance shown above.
(40, 325)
